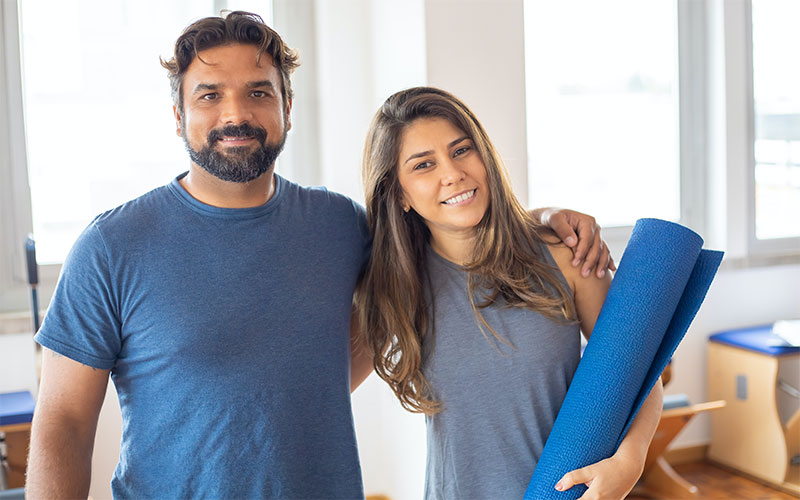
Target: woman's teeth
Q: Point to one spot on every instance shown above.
(459, 198)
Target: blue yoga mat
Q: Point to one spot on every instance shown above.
(662, 279)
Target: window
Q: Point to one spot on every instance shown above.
(98, 111)
(602, 97)
(776, 93)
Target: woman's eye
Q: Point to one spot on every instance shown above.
(424, 164)
(460, 151)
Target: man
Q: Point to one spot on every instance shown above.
(220, 305)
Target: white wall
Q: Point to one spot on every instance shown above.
(106, 448)
(391, 443)
(18, 363)
(475, 49)
(365, 51)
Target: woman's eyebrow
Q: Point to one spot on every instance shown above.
(424, 153)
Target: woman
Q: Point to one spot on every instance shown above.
(472, 309)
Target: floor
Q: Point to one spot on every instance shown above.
(714, 482)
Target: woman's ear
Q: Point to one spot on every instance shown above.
(406, 205)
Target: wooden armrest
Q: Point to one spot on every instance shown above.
(25, 426)
(692, 409)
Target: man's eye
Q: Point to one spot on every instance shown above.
(259, 93)
(209, 97)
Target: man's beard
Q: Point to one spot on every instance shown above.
(237, 164)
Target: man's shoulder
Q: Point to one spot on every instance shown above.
(148, 204)
(135, 217)
(324, 200)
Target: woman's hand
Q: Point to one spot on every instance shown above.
(609, 479)
(581, 233)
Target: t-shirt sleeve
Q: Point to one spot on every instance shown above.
(82, 322)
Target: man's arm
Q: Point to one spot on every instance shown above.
(361, 364)
(581, 233)
(63, 430)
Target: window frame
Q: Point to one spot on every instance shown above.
(692, 124)
(15, 200)
(692, 117)
(756, 247)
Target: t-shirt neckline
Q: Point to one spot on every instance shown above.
(227, 213)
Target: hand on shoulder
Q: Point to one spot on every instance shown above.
(563, 255)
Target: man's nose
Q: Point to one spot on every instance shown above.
(235, 110)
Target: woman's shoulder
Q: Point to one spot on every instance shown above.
(562, 255)
(589, 292)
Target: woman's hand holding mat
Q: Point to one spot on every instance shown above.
(662, 279)
(612, 477)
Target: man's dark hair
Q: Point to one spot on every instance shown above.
(236, 27)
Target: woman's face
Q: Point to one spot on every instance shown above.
(442, 176)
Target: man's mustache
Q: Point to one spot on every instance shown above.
(243, 130)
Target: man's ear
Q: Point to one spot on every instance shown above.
(178, 123)
(288, 115)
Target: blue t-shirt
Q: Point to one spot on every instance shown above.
(227, 335)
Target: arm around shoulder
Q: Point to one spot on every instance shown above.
(361, 363)
(63, 430)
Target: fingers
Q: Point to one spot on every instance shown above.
(588, 234)
(578, 476)
(586, 238)
(604, 262)
(593, 256)
(592, 250)
(559, 223)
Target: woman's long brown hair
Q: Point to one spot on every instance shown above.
(507, 259)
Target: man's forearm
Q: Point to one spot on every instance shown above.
(537, 213)
(60, 460)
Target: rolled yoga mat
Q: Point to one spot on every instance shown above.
(661, 281)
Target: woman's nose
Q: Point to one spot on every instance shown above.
(451, 172)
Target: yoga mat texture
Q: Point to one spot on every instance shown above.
(661, 281)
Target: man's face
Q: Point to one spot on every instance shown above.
(234, 120)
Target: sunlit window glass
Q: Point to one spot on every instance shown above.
(602, 98)
(98, 111)
(776, 90)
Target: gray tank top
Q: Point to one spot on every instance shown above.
(499, 403)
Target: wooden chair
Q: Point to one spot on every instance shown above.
(17, 437)
(659, 479)
(16, 413)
